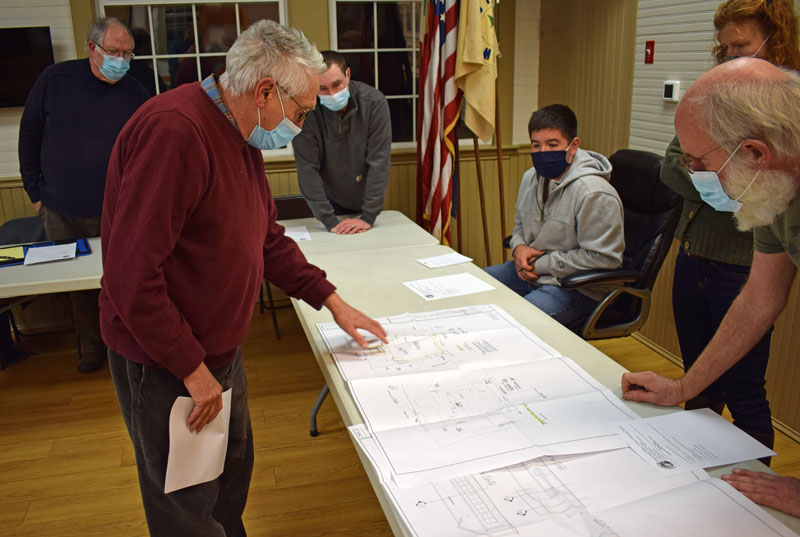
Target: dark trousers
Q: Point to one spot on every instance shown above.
(212, 509)
(702, 292)
(85, 311)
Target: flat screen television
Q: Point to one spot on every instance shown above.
(26, 53)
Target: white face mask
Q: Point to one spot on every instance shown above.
(710, 188)
(280, 136)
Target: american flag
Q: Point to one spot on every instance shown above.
(437, 113)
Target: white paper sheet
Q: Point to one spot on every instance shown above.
(448, 286)
(445, 260)
(45, 254)
(469, 337)
(614, 493)
(196, 457)
(446, 423)
(690, 440)
(298, 233)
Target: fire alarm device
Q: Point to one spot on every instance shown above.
(672, 91)
(649, 51)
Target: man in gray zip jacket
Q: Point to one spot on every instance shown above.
(568, 218)
(343, 152)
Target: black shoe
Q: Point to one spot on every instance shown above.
(91, 361)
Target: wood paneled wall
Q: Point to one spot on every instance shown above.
(586, 62)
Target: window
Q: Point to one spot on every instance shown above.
(180, 42)
(380, 40)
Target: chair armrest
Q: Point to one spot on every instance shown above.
(586, 278)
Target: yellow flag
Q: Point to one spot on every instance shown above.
(476, 65)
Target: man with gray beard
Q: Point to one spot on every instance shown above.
(738, 128)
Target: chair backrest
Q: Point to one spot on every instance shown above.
(291, 207)
(651, 212)
(22, 230)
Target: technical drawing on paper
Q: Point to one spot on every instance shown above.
(475, 336)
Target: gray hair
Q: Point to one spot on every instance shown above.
(268, 49)
(766, 110)
(98, 30)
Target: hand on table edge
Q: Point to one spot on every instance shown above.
(650, 387)
(779, 492)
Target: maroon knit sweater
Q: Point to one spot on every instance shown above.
(188, 233)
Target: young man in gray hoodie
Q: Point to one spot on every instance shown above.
(568, 218)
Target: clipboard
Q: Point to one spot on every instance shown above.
(81, 248)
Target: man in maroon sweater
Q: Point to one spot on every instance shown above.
(188, 233)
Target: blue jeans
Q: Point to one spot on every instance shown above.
(566, 306)
(212, 509)
(702, 292)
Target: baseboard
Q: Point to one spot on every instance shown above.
(647, 342)
(776, 423)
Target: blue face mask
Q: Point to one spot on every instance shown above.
(550, 164)
(113, 68)
(337, 101)
(710, 188)
(280, 136)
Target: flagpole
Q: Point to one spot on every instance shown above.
(500, 164)
(458, 198)
(482, 200)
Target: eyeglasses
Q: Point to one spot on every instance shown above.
(304, 110)
(127, 54)
(686, 162)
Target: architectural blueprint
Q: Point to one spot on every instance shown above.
(475, 336)
(613, 493)
(452, 422)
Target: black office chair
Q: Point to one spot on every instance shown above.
(289, 207)
(16, 231)
(651, 215)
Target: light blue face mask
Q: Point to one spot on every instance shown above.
(280, 136)
(337, 101)
(708, 185)
(114, 68)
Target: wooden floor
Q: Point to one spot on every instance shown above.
(67, 467)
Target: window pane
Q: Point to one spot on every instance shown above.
(354, 25)
(216, 26)
(131, 16)
(211, 64)
(394, 73)
(249, 13)
(174, 34)
(142, 70)
(362, 66)
(395, 25)
(402, 112)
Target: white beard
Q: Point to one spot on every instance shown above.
(768, 197)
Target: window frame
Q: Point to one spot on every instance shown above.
(100, 6)
(415, 54)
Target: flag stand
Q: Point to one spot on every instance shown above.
(482, 200)
(500, 186)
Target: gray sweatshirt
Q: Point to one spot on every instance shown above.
(346, 159)
(581, 225)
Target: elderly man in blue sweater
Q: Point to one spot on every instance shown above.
(72, 117)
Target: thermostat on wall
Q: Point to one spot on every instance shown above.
(672, 90)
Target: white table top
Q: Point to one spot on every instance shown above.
(372, 282)
(76, 274)
(392, 229)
